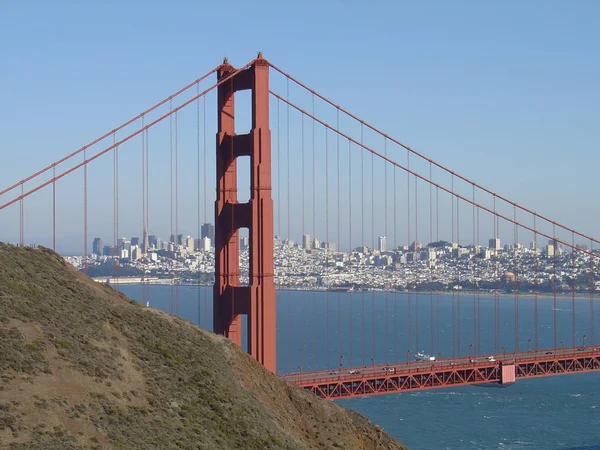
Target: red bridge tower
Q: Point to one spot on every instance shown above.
(257, 300)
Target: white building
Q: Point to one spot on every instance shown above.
(382, 244)
(135, 253)
(306, 241)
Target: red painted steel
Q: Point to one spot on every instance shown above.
(257, 300)
(378, 380)
(508, 375)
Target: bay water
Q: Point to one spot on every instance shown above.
(338, 330)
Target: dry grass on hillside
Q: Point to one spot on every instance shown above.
(82, 366)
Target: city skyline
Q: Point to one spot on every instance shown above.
(548, 247)
(314, 265)
(70, 246)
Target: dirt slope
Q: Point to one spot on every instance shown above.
(82, 366)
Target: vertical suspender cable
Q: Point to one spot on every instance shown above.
(199, 247)
(351, 313)
(573, 282)
(143, 152)
(279, 201)
(21, 218)
(289, 202)
(453, 290)
(147, 224)
(373, 248)
(147, 201)
(412, 249)
(497, 275)
(338, 236)
(85, 216)
(303, 307)
(516, 279)
(474, 256)
(117, 207)
(385, 233)
(458, 276)
(172, 238)
(204, 179)
(177, 204)
(327, 247)
(437, 295)
(279, 168)
(478, 294)
(54, 207)
(497, 296)
(143, 169)
(116, 251)
(417, 296)
(592, 288)
(362, 237)
(432, 349)
(535, 285)
(314, 187)
(554, 284)
(395, 249)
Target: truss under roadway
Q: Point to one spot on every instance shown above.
(418, 375)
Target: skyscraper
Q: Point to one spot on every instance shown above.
(188, 243)
(328, 246)
(97, 247)
(306, 241)
(382, 244)
(494, 244)
(145, 243)
(415, 246)
(208, 230)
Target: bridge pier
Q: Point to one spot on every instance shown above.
(507, 374)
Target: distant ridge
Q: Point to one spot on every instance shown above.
(84, 367)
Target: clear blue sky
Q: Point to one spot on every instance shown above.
(506, 92)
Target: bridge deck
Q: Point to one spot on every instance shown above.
(390, 378)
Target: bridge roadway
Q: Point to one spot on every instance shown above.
(504, 368)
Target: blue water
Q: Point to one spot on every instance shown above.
(314, 333)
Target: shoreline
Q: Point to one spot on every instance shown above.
(135, 281)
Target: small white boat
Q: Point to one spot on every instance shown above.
(420, 356)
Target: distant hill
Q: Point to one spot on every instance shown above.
(84, 367)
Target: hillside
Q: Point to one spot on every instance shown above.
(82, 366)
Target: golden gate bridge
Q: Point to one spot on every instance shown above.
(313, 168)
